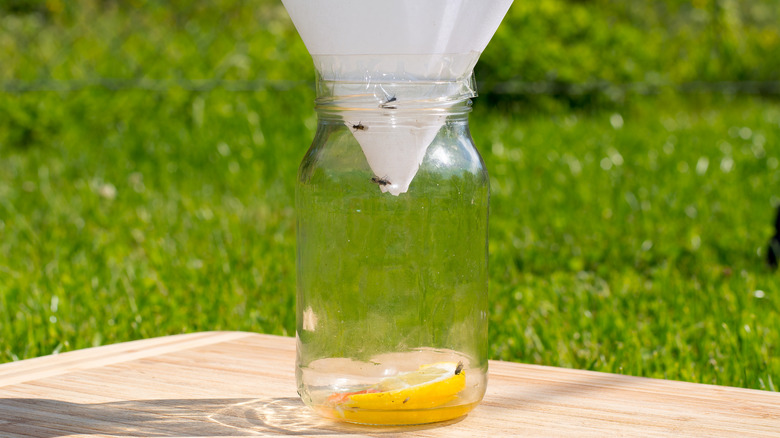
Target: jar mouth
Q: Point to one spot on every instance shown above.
(390, 97)
(394, 121)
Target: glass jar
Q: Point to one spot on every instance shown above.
(392, 288)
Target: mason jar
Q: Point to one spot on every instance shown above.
(392, 290)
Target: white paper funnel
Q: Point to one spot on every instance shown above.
(393, 54)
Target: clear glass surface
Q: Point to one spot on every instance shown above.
(389, 284)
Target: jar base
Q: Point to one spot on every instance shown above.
(403, 388)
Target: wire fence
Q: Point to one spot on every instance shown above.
(204, 85)
(507, 88)
(554, 88)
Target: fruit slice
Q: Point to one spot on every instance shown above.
(399, 417)
(429, 387)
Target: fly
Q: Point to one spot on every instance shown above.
(459, 368)
(360, 127)
(380, 181)
(386, 103)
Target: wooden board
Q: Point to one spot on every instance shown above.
(243, 384)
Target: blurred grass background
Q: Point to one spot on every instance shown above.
(148, 153)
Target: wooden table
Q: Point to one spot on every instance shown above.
(242, 384)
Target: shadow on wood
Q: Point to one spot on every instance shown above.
(47, 418)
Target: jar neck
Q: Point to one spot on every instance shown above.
(394, 101)
(393, 122)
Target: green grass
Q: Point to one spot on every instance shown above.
(628, 239)
(637, 250)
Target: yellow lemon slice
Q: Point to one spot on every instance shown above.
(429, 387)
(400, 417)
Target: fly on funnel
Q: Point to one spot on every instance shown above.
(392, 211)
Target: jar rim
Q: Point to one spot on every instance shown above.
(392, 96)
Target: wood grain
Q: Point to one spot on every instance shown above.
(243, 384)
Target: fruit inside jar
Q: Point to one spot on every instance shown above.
(379, 394)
